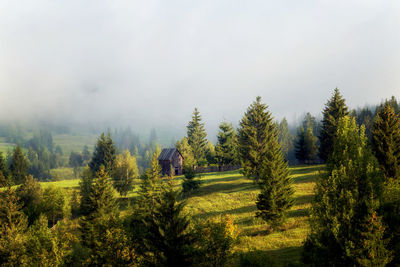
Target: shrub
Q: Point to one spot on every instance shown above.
(189, 183)
(215, 240)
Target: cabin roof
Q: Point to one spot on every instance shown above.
(168, 153)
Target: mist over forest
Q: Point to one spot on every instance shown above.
(149, 64)
(199, 133)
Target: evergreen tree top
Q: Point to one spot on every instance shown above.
(336, 106)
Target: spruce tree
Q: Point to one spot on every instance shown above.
(85, 185)
(148, 195)
(386, 141)
(197, 136)
(344, 225)
(13, 225)
(301, 150)
(306, 146)
(104, 154)
(276, 196)
(101, 228)
(334, 110)
(226, 149)
(168, 240)
(18, 166)
(262, 159)
(285, 138)
(4, 176)
(257, 137)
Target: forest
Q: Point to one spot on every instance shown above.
(336, 181)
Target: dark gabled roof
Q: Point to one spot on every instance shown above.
(167, 153)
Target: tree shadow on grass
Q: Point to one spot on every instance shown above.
(244, 209)
(298, 213)
(221, 179)
(305, 199)
(305, 178)
(226, 188)
(287, 256)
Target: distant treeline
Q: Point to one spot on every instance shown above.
(301, 143)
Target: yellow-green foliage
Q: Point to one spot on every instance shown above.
(229, 193)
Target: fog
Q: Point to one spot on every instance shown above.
(150, 63)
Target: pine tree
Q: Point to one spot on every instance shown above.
(310, 121)
(149, 193)
(306, 146)
(262, 159)
(392, 102)
(13, 225)
(344, 226)
(197, 136)
(4, 176)
(168, 240)
(126, 171)
(301, 150)
(151, 185)
(86, 185)
(285, 138)
(18, 166)
(386, 141)
(104, 154)
(210, 153)
(257, 137)
(226, 149)
(101, 229)
(276, 196)
(334, 110)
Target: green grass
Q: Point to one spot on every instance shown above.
(231, 193)
(4, 147)
(75, 143)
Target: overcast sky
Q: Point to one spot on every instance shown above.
(149, 63)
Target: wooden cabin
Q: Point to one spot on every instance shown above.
(171, 160)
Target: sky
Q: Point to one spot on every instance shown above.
(150, 63)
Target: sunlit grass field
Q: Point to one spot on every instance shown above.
(232, 194)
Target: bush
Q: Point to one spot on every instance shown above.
(215, 240)
(189, 183)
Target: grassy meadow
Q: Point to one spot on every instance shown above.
(232, 194)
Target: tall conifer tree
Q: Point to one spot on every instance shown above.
(168, 239)
(104, 154)
(13, 225)
(285, 138)
(101, 228)
(197, 136)
(386, 141)
(257, 135)
(226, 149)
(306, 146)
(18, 166)
(334, 110)
(345, 227)
(262, 159)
